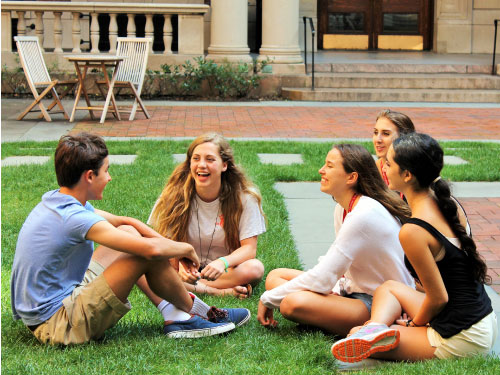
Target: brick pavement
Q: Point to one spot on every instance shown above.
(484, 218)
(296, 122)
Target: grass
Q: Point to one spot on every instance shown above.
(136, 345)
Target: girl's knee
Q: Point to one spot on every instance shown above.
(254, 270)
(250, 271)
(291, 304)
(272, 276)
(389, 285)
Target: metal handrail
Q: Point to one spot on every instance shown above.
(313, 32)
(494, 47)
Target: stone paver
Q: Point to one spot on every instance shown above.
(179, 158)
(280, 159)
(23, 160)
(454, 160)
(122, 159)
(475, 189)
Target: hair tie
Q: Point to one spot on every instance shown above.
(436, 179)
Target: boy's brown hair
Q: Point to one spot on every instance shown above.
(76, 154)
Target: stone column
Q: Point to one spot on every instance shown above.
(229, 31)
(280, 35)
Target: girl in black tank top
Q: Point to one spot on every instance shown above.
(453, 297)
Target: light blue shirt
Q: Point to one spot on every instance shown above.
(52, 255)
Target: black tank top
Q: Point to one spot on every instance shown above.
(468, 302)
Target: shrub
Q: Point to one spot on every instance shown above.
(224, 80)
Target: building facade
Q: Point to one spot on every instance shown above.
(272, 29)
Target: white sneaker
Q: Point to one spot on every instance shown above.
(368, 340)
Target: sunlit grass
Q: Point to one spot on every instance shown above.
(136, 345)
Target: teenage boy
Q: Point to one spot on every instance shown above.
(66, 293)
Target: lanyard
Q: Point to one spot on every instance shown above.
(386, 180)
(382, 172)
(351, 203)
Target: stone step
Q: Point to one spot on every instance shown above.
(395, 80)
(391, 67)
(391, 95)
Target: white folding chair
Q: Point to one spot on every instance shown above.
(31, 57)
(132, 70)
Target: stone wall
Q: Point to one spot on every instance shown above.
(465, 26)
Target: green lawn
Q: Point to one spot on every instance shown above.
(136, 344)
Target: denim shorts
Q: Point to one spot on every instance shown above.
(363, 297)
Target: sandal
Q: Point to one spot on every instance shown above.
(249, 290)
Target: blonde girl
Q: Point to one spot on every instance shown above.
(210, 203)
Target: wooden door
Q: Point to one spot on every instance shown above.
(345, 24)
(375, 24)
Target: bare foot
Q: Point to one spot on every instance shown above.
(238, 291)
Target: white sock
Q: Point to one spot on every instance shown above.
(170, 312)
(199, 307)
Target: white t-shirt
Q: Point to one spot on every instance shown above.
(210, 231)
(366, 250)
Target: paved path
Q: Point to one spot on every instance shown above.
(298, 122)
(264, 120)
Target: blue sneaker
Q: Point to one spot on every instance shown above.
(195, 327)
(237, 316)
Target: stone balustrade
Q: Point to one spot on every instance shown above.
(190, 23)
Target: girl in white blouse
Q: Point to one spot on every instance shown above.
(336, 294)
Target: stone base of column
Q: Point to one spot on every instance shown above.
(230, 54)
(283, 61)
(286, 68)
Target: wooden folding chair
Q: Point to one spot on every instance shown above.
(131, 71)
(31, 57)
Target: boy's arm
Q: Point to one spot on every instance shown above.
(107, 235)
(116, 221)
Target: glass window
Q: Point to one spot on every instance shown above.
(400, 23)
(346, 23)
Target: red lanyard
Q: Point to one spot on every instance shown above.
(382, 172)
(351, 203)
(386, 180)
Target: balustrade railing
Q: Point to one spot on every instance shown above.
(190, 23)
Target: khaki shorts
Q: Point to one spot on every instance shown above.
(476, 340)
(86, 313)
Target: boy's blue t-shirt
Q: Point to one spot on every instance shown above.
(51, 256)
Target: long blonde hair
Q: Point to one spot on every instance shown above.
(172, 212)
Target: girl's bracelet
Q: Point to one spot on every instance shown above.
(411, 323)
(226, 263)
